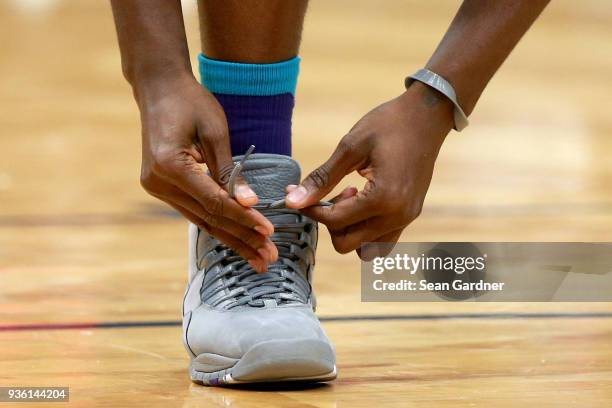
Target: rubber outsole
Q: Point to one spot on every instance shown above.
(271, 361)
(224, 378)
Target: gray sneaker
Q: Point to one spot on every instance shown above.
(243, 327)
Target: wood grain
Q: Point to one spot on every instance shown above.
(81, 242)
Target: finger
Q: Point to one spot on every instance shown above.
(194, 212)
(192, 179)
(262, 244)
(244, 194)
(214, 138)
(253, 257)
(259, 264)
(323, 179)
(345, 194)
(348, 211)
(218, 157)
(252, 238)
(369, 230)
(379, 247)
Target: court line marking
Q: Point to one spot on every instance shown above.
(173, 323)
(153, 213)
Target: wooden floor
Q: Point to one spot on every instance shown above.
(86, 256)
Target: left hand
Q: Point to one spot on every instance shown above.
(394, 147)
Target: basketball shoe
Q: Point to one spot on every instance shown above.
(240, 326)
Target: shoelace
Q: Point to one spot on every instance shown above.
(286, 280)
(236, 173)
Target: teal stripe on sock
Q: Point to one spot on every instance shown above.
(235, 78)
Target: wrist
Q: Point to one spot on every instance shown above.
(431, 101)
(464, 81)
(434, 111)
(152, 86)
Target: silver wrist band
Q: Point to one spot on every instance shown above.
(443, 86)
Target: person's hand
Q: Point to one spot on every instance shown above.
(394, 148)
(183, 128)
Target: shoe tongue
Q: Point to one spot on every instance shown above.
(269, 174)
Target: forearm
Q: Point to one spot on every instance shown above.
(152, 41)
(480, 38)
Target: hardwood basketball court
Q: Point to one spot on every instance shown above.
(92, 270)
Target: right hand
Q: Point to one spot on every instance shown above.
(184, 127)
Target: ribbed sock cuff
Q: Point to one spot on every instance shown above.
(233, 78)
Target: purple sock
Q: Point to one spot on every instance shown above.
(258, 101)
(263, 121)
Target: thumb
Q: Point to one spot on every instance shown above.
(219, 160)
(323, 179)
(244, 194)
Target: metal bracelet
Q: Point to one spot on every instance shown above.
(444, 87)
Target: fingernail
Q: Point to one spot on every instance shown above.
(291, 187)
(262, 230)
(297, 195)
(254, 263)
(244, 191)
(265, 253)
(274, 253)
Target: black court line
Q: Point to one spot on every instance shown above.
(356, 318)
(147, 213)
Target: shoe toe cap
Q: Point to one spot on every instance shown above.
(233, 333)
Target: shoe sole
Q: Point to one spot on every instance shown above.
(270, 361)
